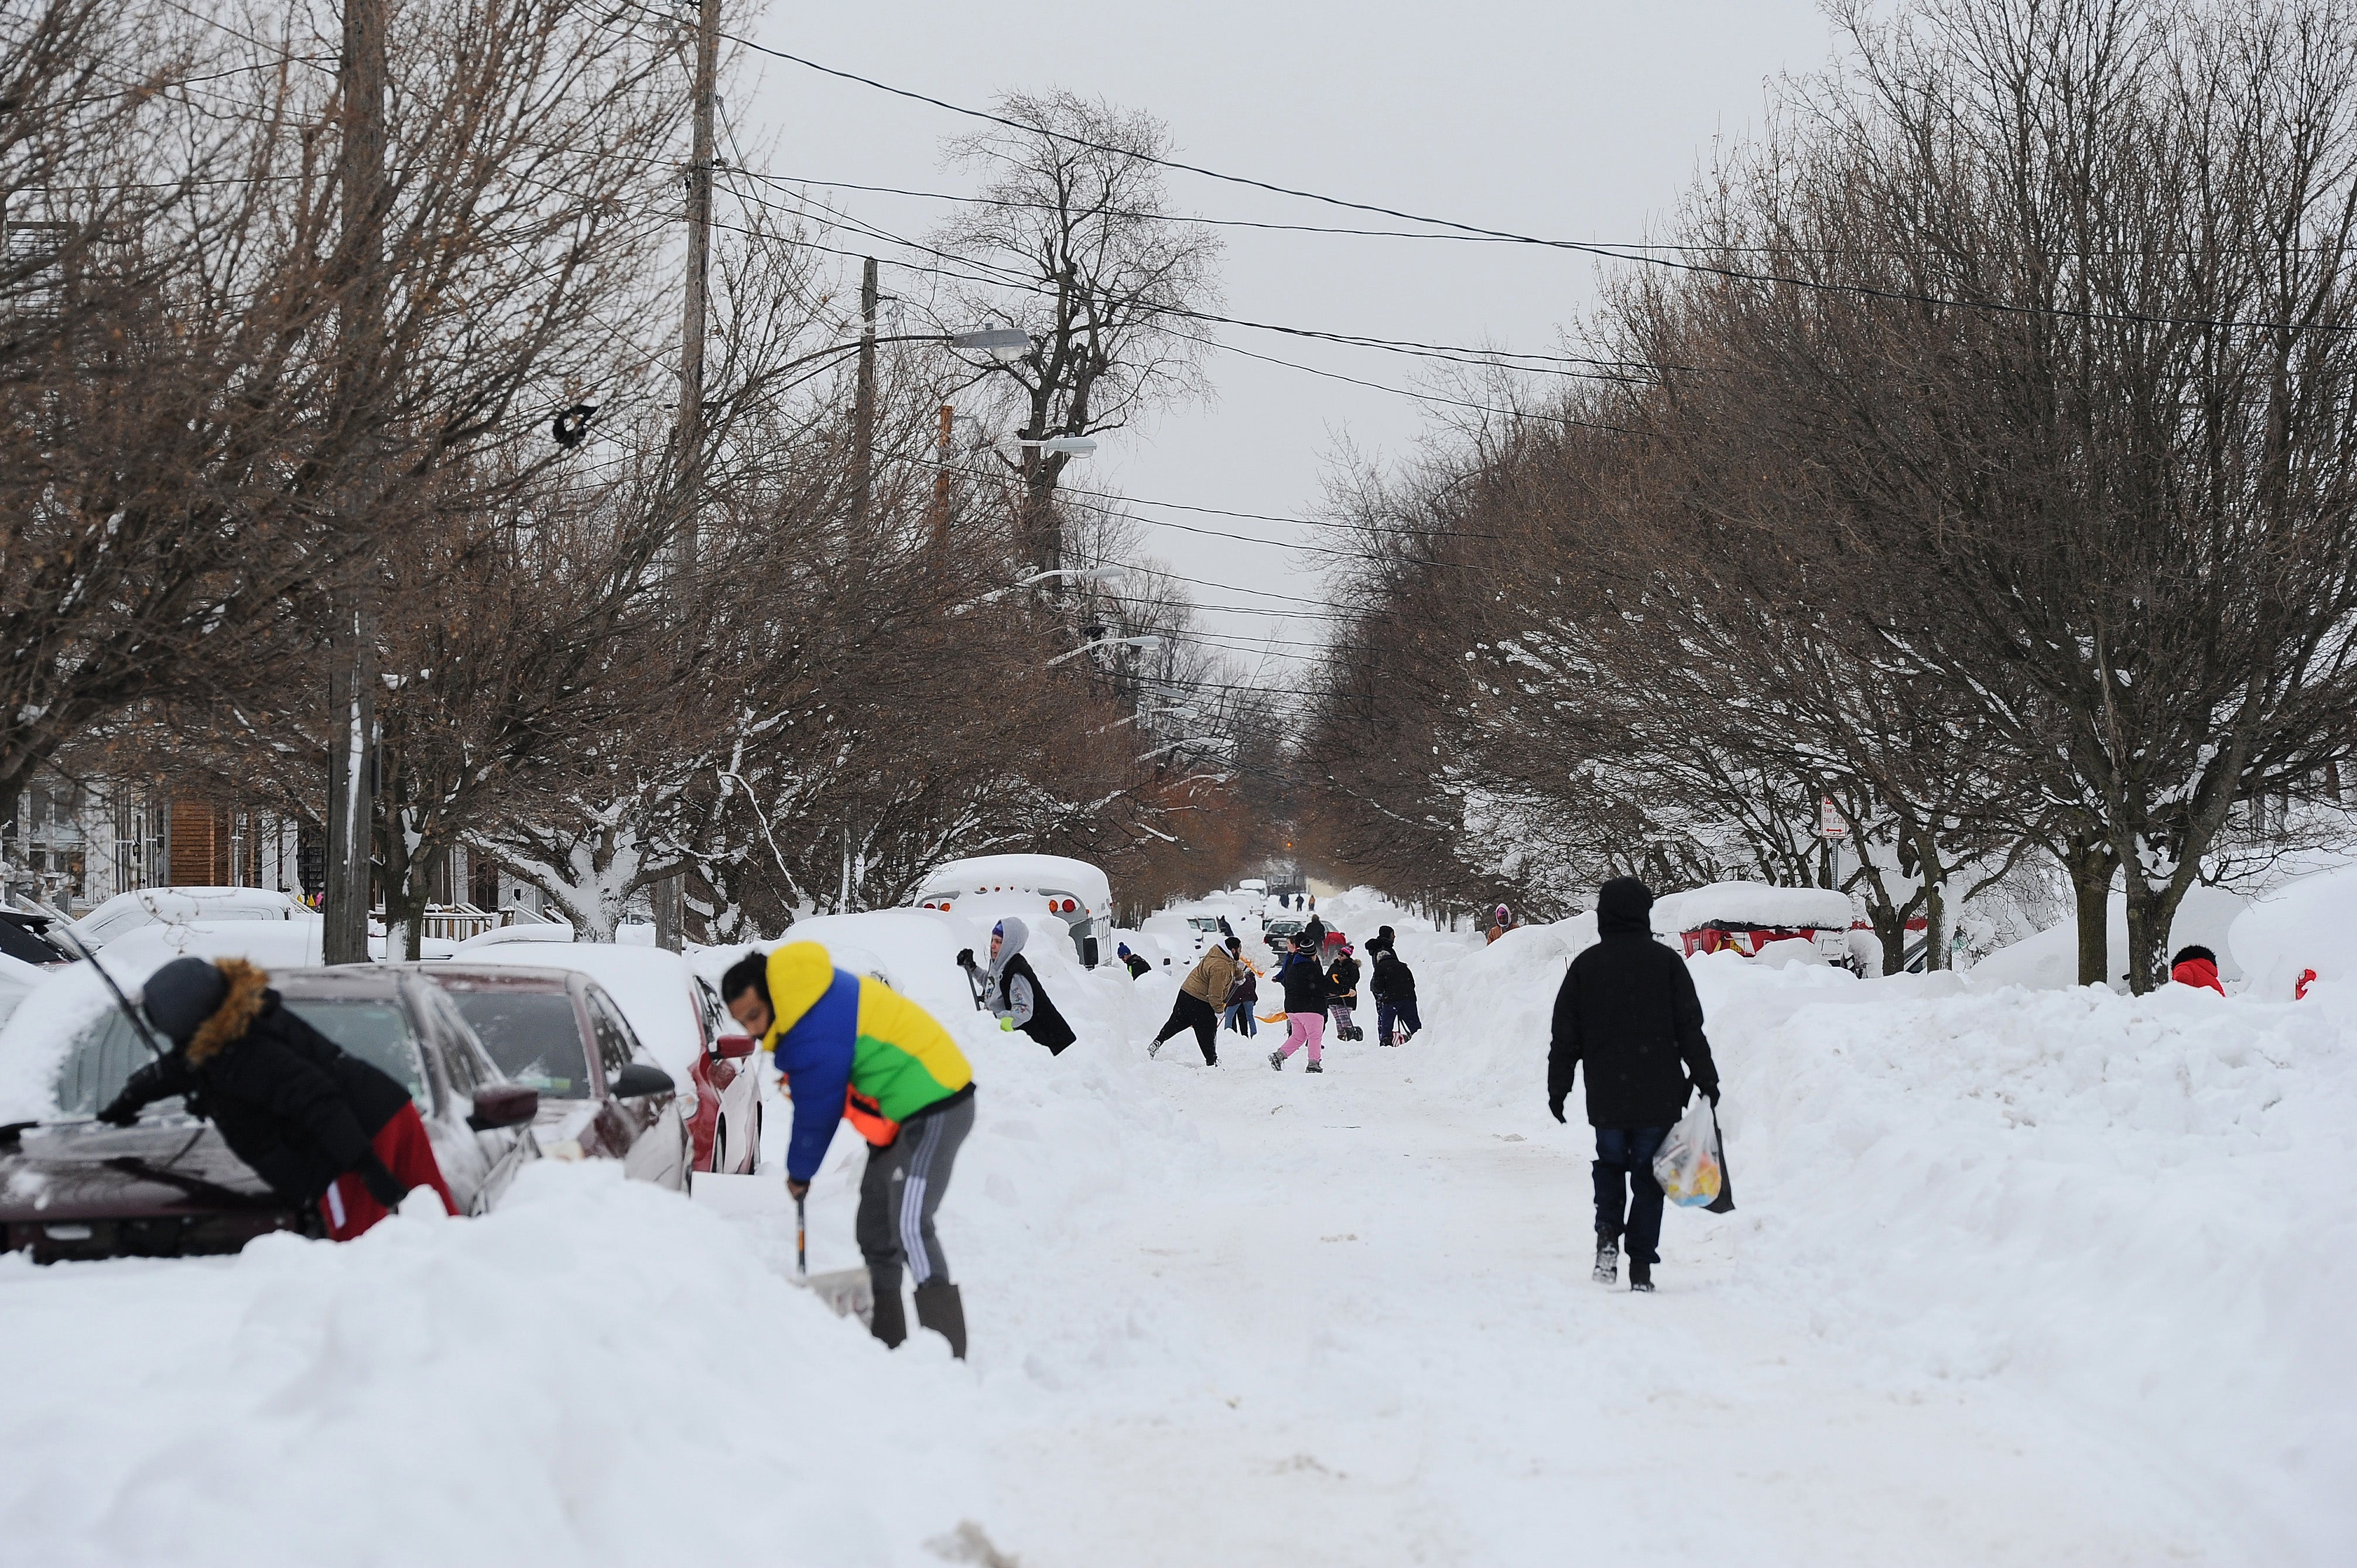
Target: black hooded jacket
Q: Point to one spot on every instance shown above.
(1303, 982)
(1628, 1009)
(286, 1099)
(1392, 980)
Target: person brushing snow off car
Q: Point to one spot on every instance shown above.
(1197, 1004)
(1304, 982)
(850, 1046)
(317, 1123)
(1628, 1009)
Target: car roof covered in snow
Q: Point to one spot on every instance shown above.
(653, 987)
(1020, 873)
(1754, 905)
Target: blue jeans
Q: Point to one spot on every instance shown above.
(1625, 1185)
(1402, 1009)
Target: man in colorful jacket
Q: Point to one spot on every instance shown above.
(854, 1048)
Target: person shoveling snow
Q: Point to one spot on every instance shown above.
(1012, 988)
(1197, 1005)
(1628, 1009)
(1304, 981)
(854, 1047)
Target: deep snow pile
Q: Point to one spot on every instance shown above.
(597, 1373)
(2015, 1276)
(2140, 1207)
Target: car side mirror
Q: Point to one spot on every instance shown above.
(733, 1045)
(639, 1079)
(504, 1105)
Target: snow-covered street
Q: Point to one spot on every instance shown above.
(2022, 1277)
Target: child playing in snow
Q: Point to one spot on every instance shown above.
(1305, 1000)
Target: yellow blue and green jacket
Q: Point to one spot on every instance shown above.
(849, 1046)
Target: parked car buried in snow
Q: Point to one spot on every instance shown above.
(677, 1015)
(602, 1094)
(1751, 917)
(1073, 891)
(167, 1187)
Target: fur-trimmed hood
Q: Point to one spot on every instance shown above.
(249, 992)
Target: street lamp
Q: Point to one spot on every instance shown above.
(1071, 573)
(1073, 445)
(1105, 643)
(998, 342)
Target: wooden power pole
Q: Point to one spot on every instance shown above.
(669, 892)
(863, 404)
(352, 684)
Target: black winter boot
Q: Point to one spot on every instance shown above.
(890, 1320)
(1640, 1276)
(1607, 1258)
(942, 1310)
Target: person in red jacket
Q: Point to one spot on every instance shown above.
(2196, 967)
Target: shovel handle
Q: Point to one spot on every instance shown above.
(801, 1241)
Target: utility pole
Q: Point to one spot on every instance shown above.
(944, 452)
(669, 892)
(351, 683)
(863, 403)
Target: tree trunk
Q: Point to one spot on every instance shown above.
(2090, 865)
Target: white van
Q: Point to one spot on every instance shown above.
(1073, 891)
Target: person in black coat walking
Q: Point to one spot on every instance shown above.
(315, 1122)
(1628, 1009)
(1393, 986)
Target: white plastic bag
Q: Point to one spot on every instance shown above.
(1687, 1165)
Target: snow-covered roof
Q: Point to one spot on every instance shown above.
(1753, 904)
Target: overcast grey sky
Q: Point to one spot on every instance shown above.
(1582, 119)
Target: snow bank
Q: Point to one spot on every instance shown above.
(2050, 961)
(1753, 904)
(597, 1373)
(2309, 924)
(2137, 1209)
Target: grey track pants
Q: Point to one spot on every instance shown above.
(899, 1192)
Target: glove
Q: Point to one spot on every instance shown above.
(966, 958)
(1555, 1104)
(120, 1113)
(383, 1185)
(1006, 1024)
(1708, 1091)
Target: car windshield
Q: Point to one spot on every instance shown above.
(374, 1028)
(533, 1035)
(103, 1055)
(24, 942)
(107, 1052)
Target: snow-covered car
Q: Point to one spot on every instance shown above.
(602, 1094)
(126, 912)
(72, 1187)
(676, 1014)
(1748, 918)
(1073, 891)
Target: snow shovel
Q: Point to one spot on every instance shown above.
(848, 1291)
(973, 975)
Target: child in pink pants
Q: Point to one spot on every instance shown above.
(1301, 1029)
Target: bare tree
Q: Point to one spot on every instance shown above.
(1073, 240)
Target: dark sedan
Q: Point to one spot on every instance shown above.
(168, 1185)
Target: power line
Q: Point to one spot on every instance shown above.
(1486, 232)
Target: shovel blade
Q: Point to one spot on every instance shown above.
(849, 1292)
